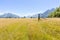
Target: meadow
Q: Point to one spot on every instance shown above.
(29, 29)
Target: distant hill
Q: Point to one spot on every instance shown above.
(9, 15)
(43, 15)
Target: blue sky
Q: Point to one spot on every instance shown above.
(27, 7)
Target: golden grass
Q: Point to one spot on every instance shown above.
(29, 29)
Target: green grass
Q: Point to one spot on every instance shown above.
(30, 29)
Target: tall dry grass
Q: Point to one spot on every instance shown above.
(29, 29)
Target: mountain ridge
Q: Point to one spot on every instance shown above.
(43, 15)
(9, 15)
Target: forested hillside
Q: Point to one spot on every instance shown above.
(55, 13)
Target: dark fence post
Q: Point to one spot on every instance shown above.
(38, 17)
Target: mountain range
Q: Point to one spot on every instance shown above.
(42, 15)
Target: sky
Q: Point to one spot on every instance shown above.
(27, 7)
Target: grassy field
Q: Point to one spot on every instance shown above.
(29, 29)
